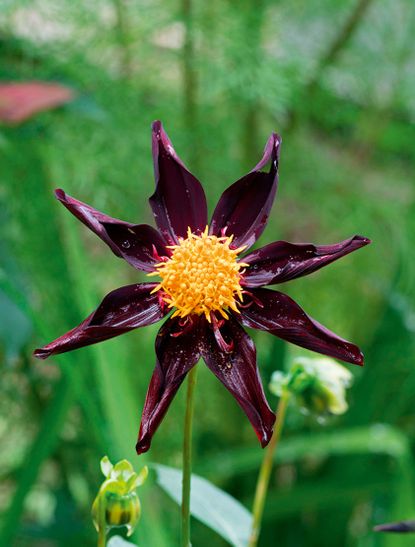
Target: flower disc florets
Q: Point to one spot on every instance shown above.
(201, 276)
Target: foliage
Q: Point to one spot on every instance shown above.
(221, 75)
(209, 504)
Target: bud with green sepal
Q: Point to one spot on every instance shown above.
(318, 384)
(117, 503)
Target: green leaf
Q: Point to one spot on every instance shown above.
(212, 506)
(45, 442)
(375, 439)
(16, 331)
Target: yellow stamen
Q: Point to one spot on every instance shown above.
(201, 276)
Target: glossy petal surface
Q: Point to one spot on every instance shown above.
(278, 314)
(244, 207)
(133, 242)
(281, 261)
(179, 200)
(121, 310)
(176, 355)
(238, 372)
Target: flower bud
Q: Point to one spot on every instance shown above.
(117, 503)
(318, 384)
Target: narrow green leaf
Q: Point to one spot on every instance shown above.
(46, 440)
(212, 506)
(16, 331)
(375, 439)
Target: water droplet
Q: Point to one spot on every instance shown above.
(126, 244)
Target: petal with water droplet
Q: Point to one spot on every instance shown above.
(179, 201)
(139, 244)
(244, 207)
(277, 313)
(281, 261)
(121, 310)
(237, 370)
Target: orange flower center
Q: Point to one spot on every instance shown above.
(201, 276)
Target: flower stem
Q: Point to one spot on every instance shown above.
(101, 538)
(187, 458)
(102, 532)
(265, 471)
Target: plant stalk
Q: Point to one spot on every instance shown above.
(190, 78)
(265, 471)
(101, 538)
(187, 458)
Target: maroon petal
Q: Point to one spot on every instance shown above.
(138, 244)
(237, 369)
(244, 207)
(278, 314)
(179, 201)
(178, 350)
(121, 310)
(281, 261)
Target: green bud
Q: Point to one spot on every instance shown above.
(318, 384)
(117, 503)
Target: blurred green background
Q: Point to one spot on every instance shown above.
(337, 80)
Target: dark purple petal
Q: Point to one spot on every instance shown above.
(121, 310)
(179, 201)
(278, 314)
(178, 350)
(237, 369)
(135, 243)
(281, 261)
(244, 207)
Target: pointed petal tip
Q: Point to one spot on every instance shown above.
(264, 441)
(157, 126)
(143, 445)
(60, 194)
(162, 142)
(360, 360)
(267, 434)
(353, 356)
(276, 138)
(41, 353)
(362, 240)
(274, 144)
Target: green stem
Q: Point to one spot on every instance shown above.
(190, 78)
(265, 471)
(101, 538)
(123, 38)
(187, 458)
(102, 533)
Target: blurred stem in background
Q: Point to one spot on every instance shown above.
(187, 457)
(190, 120)
(253, 23)
(319, 388)
(266, 468)
(340, 41)
(121, 27)
(190, 83)
(346, 32)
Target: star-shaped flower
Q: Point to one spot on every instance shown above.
(209, 286)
